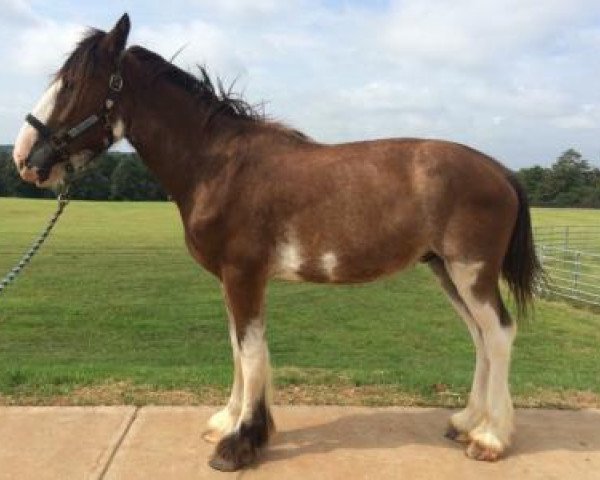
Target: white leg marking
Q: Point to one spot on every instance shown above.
(225, 420)
(467, 419)
(496, 428)
(464, 275)
(28, 135)
(329, 262)
(254, 356)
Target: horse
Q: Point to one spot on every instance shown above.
(260, 201)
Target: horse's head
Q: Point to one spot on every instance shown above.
(75, 119)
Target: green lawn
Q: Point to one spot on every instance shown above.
(114, 299)
(565, 216)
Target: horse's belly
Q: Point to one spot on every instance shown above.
(344, 264)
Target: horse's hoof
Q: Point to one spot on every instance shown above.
(223, 465)
(232, 453)
(477, 451)
(212, 436)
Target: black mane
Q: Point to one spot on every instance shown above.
(201, 88)
(215, 100)
(81, 62)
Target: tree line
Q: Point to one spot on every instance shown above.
(569, 182)
(114, 176)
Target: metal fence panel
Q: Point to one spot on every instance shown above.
(570, 255)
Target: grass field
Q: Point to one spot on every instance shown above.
(113, 310)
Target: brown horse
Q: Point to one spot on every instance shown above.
(260, 201)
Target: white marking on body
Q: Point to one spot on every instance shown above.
(28, 135)
(118, 130)
(288, 260)
(329, 262)
(254, 356)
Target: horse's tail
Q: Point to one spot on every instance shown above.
(521, 268)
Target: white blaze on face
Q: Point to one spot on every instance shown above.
(28, 135)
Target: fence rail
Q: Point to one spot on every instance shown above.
(570, 255)
(574, 237)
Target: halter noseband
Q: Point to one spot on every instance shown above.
(54, 143)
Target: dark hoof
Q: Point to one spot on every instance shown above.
(232, 453)
(452, 433)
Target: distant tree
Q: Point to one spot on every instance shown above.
(11, 183)
(6, 189)
(90, 185)
(532, 179)
(114, 175)
(570, 182)
(107, 162)
(565, 183)
(131, 180)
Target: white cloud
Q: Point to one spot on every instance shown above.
(248, 9)
(517, 78)
(16, 13)
(202, 42)
(392, 97)
(586, 117)
(467, 32)
(42, 48)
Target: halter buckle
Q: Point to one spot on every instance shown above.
(115, 82)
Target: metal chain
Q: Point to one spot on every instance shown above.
(63, 200)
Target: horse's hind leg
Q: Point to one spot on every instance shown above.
(240, 447)
(477, 284)
(225, 420)
(461, 423)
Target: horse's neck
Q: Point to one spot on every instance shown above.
(170, 131)
(168, 136)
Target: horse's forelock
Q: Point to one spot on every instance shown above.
(81, 61)
(83, 57)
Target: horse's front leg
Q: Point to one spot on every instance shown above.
(244, 293)
(224, 421)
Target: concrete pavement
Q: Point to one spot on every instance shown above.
(312, 442)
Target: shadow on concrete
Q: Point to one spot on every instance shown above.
(537, 431)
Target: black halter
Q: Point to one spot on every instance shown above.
(54, 144)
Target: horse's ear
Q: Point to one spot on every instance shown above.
(116, 39)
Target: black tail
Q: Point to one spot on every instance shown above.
(521, 268)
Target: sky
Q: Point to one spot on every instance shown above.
(517, 79)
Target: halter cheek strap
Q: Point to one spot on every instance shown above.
(42, 129)
(59, 141)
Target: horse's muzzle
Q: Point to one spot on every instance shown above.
(28, 174)
(42, 158)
